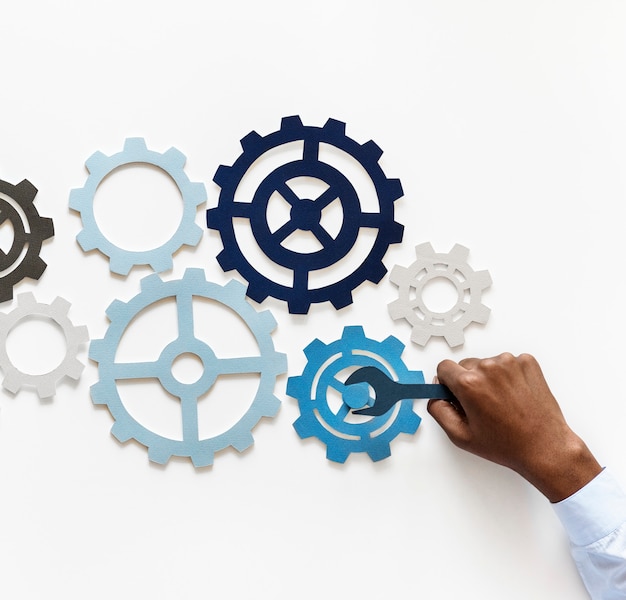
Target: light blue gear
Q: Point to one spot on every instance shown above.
(135, 151)
(269, 364)
(322, 374)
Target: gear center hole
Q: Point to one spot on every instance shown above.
(440, 295)
(138, 207)
(187, 368)
(36, 345)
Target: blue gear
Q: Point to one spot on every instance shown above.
(269, 364)
(135, 151)
(305, 215)
(322, 375)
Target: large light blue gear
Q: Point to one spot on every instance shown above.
(269, 364)
(135, 151)
(326, 370)
(305, 215)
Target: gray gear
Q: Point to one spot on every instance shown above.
(453, 267)
(70, 366)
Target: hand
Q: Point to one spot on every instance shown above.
(507, 414)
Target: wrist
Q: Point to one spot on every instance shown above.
(559, 474)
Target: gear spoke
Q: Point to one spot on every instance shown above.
(240, 366)
(326, 197)
(287, 194)
(285, 230)
(324, 238)
(189, 411)
(141, 370)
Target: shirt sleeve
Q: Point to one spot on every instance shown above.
(595, 521)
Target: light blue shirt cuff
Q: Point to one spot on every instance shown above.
(594, 511)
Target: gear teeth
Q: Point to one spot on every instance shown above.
(335, 127)
(420, 337)
(135, 145)
(160, 264)
(380, 452)
(243, 441)
(257, 292)
(459, 253)
(46, 389)
(291, 123)
(425, 249)
(337, 453)
(396, 309)
(121, 433)
(482, 279)
(226, 261)
(392, 346)
(115, 310)
(74, 370)
(251, 142)
(159, 455)
(195, 277)
(26, 190)
(85, 241)
(94, 163)
(97, 350)
(455, 338)
(394, 190)
(202, 458)
(302, 424)
(222, 176)
(373, 150)
(151, 283)
(298, 387)
(197, 193)
(36, 269)
(341, 299)
(314, 348)
(12, 382)
(61, 305)
(378, 272)
(98, 391)
(26, 300)
(175, 158)
(266, 318)
(120, 265)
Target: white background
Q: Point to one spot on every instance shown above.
(504, 122)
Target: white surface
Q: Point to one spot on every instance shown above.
(505, 123)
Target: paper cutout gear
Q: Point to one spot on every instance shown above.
(268, 363)
(328, 365)
(29, 234)
(135, 151)
(305, 215)
(453, 267)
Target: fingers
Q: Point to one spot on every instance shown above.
(451, 419)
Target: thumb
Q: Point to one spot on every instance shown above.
(450, 419)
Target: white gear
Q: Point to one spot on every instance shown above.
(453, 267)
(70, 366)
